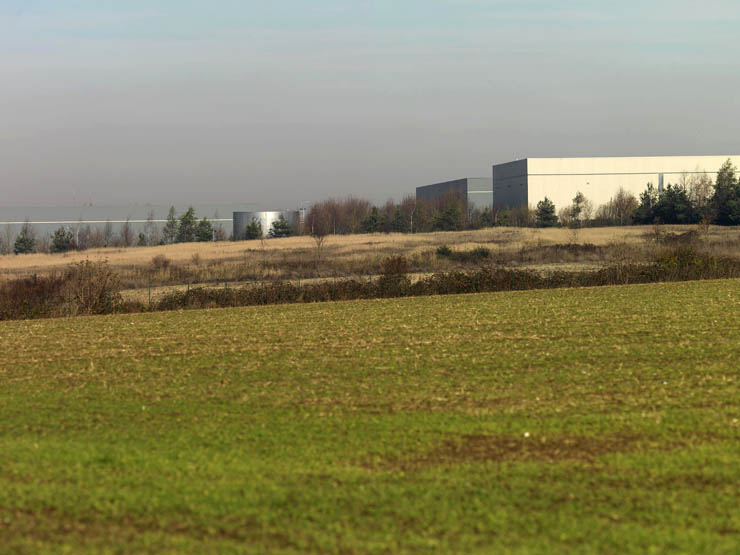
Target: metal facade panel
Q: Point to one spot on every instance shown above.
(510, 184)
(437, 191)
(475, 192)
(480, 193)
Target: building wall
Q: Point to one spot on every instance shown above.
(480, 193)
(559, 179)
(242, 219)
(510, 184)
(476, 192)
(430, 193)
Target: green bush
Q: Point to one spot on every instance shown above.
(477, 254)
(61, 241)
(444, 251)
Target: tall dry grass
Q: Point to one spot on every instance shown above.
(295, 258)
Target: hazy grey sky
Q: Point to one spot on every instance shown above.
(280, 102)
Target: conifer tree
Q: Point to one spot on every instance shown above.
(204, 231)
(280, 228)
(186, 226)
(545, 214)
(253, 230)
(726, 198)
(62, 240)
(169, 233)
(26, 240)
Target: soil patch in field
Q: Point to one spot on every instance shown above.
(482, 448)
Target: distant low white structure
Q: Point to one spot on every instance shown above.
(526, 182)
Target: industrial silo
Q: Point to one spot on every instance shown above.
(242, 219)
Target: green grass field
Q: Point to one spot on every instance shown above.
(575, 420)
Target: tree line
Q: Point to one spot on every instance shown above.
(693, 199)
(184, 228)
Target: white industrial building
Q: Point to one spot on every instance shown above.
(528, 181)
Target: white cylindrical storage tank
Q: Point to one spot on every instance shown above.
(265, 218)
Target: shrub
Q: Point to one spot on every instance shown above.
(91, 288)
(393, 281)
(161, 262)
(85, 288)
(395, 266)
(62, 240)
(681, 263)
(444, 251)
(34, 297)
(672, 239)
(475, 255)
(480, 252)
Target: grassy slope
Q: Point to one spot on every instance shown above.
(393, 425)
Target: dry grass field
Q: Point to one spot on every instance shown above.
(162, 268)
(335, 246)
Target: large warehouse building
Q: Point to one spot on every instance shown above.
(528, 181)
(475, 192)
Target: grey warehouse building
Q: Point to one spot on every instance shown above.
(475, 192)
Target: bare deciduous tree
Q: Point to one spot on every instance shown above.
(126, 234)
(619, 209)
(6, 240)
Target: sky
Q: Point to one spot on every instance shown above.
(283, 102)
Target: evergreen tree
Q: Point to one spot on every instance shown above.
(280, 228)
(485, 218)
(142, 241)
(204, 231)
(186, 226)
(545, 214)
(26, 240)
(399, 223)
(169, 233)
(675, 207)
(725, 201)
(449, 217)
(371, 223)
(253, 230)
(648, 201)
(62, 240)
